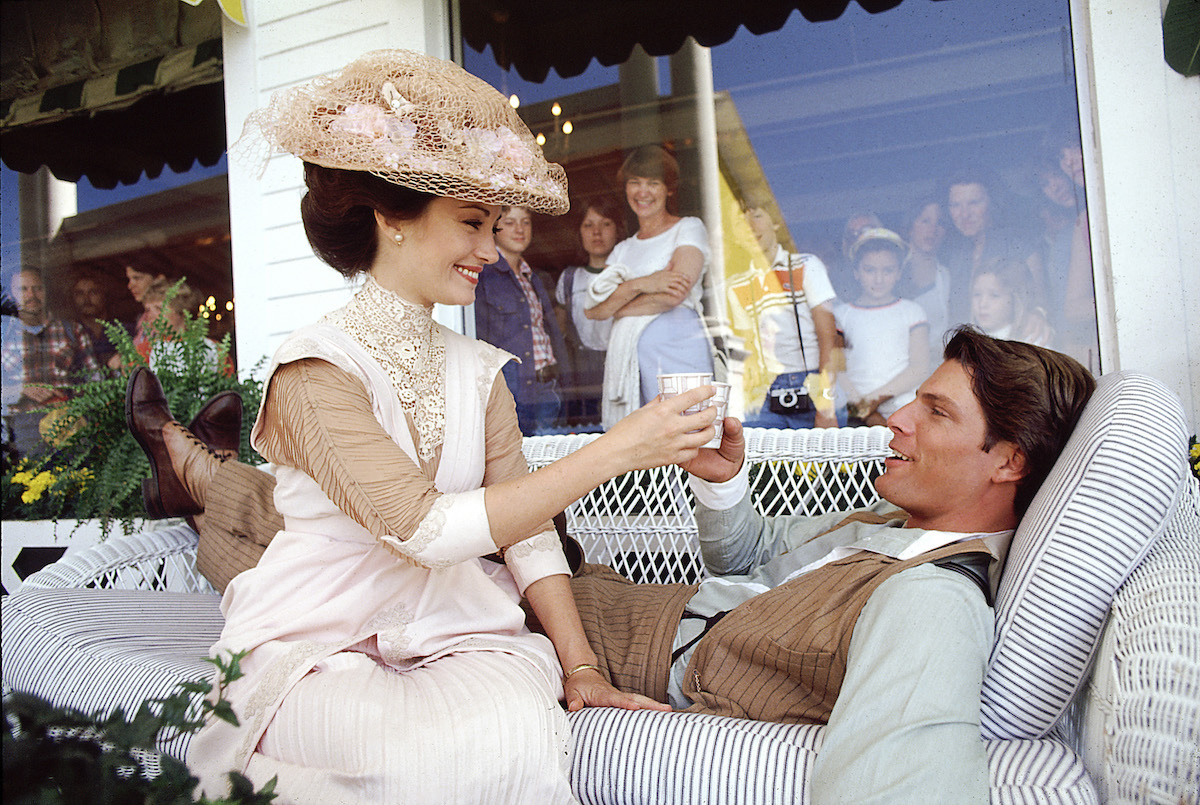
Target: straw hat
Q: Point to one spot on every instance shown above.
(878, 234)
(419, 122)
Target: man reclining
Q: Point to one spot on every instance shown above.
(877, 624)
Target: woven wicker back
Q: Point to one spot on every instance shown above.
(641, 523)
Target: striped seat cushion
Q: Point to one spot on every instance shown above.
(96, 650)
(1107, 500)
(646, 758)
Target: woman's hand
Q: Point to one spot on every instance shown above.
(660, 433)
(589, 688)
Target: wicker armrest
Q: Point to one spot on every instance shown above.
(163, 559)
(1140, 710)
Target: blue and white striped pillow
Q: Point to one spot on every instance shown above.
(1105, 503)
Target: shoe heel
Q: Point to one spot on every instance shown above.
(151, 500)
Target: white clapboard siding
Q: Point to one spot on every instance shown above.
(278, 284)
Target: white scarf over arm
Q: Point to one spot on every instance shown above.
(622, 378)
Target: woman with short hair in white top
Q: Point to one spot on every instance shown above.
(651, 289)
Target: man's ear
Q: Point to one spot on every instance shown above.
(1011, 468)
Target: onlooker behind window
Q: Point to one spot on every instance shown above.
(926, 280)
(887, 341)
(513, 311)
(783, 305)
(141, 272)
(651, 289)
(185, 299)
(42, 358)
(987, 227)
(841, 274)
(1000, 304)
(89, 297)
(1071, 293)
(602, 225)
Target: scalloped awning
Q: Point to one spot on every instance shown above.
(116, 89)
(533, 36)
(110, 89)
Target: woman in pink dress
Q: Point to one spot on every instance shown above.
(389, 658)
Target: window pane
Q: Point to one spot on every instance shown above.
(115, 258)
(952, 126)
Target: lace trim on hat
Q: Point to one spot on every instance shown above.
(411, 348)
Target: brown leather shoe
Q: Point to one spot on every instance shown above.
(219, 423)
(146, 412)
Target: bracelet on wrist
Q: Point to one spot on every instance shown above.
(581, 667)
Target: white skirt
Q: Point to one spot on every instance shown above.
(475, 727)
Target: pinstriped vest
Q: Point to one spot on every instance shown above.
(781, 656)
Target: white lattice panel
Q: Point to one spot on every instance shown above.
(641, 523)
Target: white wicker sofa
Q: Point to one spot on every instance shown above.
(1067, 716)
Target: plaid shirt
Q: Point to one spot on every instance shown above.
(57, 353)
(543, 352)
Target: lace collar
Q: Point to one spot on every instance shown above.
(411, 348)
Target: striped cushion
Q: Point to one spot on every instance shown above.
(138, 644)
(1106, 501)
(96, 650)
(647, 758)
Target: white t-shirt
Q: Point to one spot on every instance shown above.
(644, 257)
(777, 332)
(877, 345)
(593, 333)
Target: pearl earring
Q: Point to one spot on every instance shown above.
(399, 236)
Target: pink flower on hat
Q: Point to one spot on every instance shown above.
(365, 120)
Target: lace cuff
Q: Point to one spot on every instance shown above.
(455, 529)
(536, 558)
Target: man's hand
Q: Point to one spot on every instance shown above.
(720, 464)
(590, 689)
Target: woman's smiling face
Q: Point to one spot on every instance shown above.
(970, 208)
(441, 254)
(647, 197)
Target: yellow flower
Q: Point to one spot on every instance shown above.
(39, 484)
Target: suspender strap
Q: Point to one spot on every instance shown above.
(975, 567)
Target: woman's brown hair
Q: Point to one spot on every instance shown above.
(651, 162)
(338, 212)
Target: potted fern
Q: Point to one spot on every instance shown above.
(93, 473)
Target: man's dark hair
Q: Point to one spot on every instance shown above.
(338, 212)
(1031, 397)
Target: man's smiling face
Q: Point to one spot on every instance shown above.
(939, 472)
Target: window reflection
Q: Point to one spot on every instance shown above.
(952, 125)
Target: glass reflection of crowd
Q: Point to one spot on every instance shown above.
(52, 342)
(841, 338)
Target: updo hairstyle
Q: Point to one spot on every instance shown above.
(338, 212)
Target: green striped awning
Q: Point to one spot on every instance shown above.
(189, 67)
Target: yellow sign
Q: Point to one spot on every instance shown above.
(232, 8)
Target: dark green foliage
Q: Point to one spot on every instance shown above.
(97, 468)
(58, 755)
(1181, 36)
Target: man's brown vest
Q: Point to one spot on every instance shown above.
(781, 656)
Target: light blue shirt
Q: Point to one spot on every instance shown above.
(905, 727)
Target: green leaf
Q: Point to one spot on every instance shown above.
(1181, 36)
